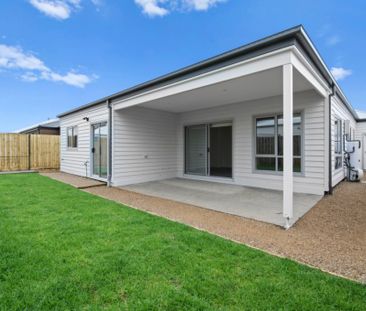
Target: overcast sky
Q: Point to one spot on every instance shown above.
(59, 54)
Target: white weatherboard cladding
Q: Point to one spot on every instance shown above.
(360, 135)
(360, 130)
(339, 111)
(72, 160)
(242, 115)
(149, 144)
(144, 145)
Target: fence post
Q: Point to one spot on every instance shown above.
(29, 152)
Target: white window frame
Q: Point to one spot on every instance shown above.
(276, 156)
(338, 130)
(72, 140)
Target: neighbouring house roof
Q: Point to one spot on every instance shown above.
(294, 36)
(361, 114)
(51, 123)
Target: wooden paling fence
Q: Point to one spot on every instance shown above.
(19, 152)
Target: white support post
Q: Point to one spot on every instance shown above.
(287, 143)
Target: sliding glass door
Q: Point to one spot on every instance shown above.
(220, 149)
(208, 149)
(100, 149)
(196, 150)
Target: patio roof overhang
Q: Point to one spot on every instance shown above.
(251, 79)
(293, 37)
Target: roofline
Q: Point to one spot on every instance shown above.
(42, 124)
(245, 49)
(39, 127)
(288, 37)
(338, 90)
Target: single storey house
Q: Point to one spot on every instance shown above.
(49, 127)
(267, 115)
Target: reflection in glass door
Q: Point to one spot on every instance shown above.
(208, 149)
(220, 149)
(100, 149)
(196, 150)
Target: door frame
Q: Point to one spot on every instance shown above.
(363, 151)
(203, 125)
(91, 156)
(208, 124)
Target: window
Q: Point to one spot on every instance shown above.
(72, 137)
(269, 143)
(338, 143)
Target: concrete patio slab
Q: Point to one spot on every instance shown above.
(259, 204)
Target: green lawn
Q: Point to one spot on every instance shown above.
(61, 248)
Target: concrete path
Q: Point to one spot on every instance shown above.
(73, 180)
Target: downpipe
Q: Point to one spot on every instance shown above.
(330, 171)
(109, 178)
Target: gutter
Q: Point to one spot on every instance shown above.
(330, 176)
(109, 177)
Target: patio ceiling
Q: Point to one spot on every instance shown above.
(255, 86)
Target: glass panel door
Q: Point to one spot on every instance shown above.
(221, 149)
(364, 152)
(103, 150)
(196, 150)
(100, 149)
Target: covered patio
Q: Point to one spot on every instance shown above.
(164, 144)
(254, 203)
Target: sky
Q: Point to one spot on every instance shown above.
(56, 55)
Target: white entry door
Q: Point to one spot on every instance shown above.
(364, 151)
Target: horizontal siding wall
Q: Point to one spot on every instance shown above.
(339, 111)
(243, 114)
(360, 134)
(144, 145)
(72, 160)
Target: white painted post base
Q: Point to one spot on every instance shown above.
(287, 223)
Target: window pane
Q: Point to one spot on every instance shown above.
(72, 138)
(265, 140)
(296, 165)
(338, 136)
(296, 135)
(75, 136)
(338, 162)
(267, 164)
(196, 150)
(69, 136)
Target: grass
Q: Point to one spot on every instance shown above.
(63, 249)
